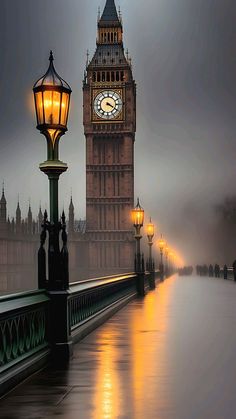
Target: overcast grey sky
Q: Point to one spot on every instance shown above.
(184, 63)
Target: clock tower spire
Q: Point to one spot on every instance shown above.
(109, 96)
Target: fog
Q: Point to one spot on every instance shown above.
(184, 63)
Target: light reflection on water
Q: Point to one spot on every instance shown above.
(127, 379)
(106, 396)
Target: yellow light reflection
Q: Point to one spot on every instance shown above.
(106, 397)
(150, 351)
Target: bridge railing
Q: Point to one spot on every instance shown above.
(23, 335)
(92, 297)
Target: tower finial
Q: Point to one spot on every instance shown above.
(99, 13)
(119, 13)
(87, 55)
(51, 58)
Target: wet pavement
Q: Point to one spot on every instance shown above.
(169, 356)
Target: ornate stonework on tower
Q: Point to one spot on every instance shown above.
(109, 95)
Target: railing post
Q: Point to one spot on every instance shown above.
(59, 332)
(140, 271)
(57, 286)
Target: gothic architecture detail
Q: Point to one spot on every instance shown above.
(109, 94)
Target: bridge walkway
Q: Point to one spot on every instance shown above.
(168, 356)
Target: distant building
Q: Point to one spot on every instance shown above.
(109, 97)
(19, 243)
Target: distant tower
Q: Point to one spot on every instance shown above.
(30, 221)
(109, 97)
(71, 226)
(18, 219)
(3, 213)
(40, 219)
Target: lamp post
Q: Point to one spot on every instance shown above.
(161, 247)
(52, 101)
(167, 251)
(150, 235)
(150, 264)
(138, 220)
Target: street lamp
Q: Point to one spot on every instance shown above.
(161, 244)
(167, 251)
(150, 235)
(52, 101)
(138, 219)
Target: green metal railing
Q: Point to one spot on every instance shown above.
(23, 327)
(98, 295)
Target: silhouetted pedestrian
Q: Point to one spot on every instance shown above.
(225, 271)
(218, 270)
(210, 271)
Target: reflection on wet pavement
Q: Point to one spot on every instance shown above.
(168, 356)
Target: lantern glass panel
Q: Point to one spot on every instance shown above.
(51, 104)
(64, 108)
(39, 107)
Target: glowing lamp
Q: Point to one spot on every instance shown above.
(150, 230)
(161, 243)
(138, 216)
(52, 101)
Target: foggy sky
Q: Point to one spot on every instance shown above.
(184, 63)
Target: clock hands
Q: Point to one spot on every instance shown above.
(108, 104)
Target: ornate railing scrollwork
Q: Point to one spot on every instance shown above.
(58, 260)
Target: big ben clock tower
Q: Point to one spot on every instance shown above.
(109, 96)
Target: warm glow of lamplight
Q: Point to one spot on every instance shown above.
(161, 243)
(49, 103)
(150, 229)
(137, 216)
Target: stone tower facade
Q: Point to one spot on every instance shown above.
(109, 98)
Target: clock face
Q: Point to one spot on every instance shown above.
(108, 104)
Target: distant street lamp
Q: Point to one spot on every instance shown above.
(167, 251)
(52, 101)
(161, 244)
(150, 235)
(138, 219)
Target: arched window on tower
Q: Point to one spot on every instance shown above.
(103, 76)
(115, 37)
(117, 76)
(108, 76)
(98, 76)
(94, 77)
(112, 37)
(112, 76)
(108, 36)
